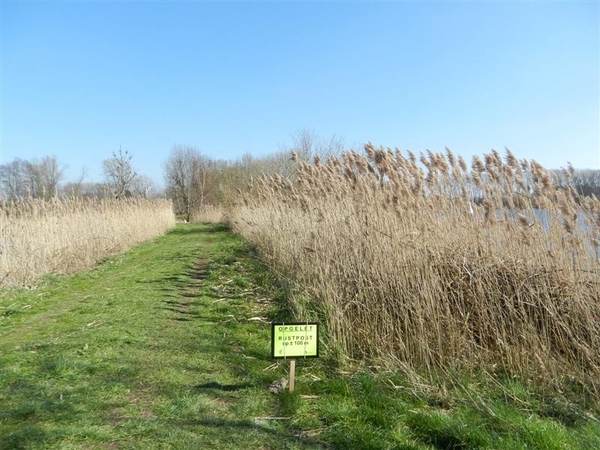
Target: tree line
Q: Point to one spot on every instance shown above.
(192, 179)
(43, 179)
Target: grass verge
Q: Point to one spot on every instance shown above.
(167, 346)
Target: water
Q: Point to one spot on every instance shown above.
(545, 218)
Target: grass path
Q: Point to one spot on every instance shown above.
(152, 349)
(167, 347)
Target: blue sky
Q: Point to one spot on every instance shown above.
(81, 79)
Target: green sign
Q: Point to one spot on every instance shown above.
(295, 340)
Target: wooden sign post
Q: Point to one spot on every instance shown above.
(292, 381)
(294, 340)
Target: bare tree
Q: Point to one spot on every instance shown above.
(74, 188)
(307, 144)
(119, 173)
(178, 178)
(21, 178)
(145, 187)
(189, 178)
(31, 178)
(12, 179)
(203, 169)
(50, 173)
(193, 180)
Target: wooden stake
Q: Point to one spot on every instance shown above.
(292, 375)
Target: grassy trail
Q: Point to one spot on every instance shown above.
(152, 349)
(167, 346)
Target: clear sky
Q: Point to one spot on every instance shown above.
(81, 79)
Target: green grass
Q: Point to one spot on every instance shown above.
(163, 347)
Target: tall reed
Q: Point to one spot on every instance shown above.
(66, 235)
(427, 261)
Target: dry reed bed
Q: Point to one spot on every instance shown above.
(67, 235)
(434, 264)
(208, 214)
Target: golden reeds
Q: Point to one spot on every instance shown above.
(66, 235)
(433, 264)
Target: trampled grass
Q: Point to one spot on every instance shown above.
(167, 346)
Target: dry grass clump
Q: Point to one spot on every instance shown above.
(427, 261)
(209, 214)
(66, 235)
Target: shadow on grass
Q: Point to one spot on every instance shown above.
(440, 433)
(182, 313)
(199, 271)
(30, 402)
(190, 228)
(214, 385)
(27, 436)
(187, 284)
(223, 426)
